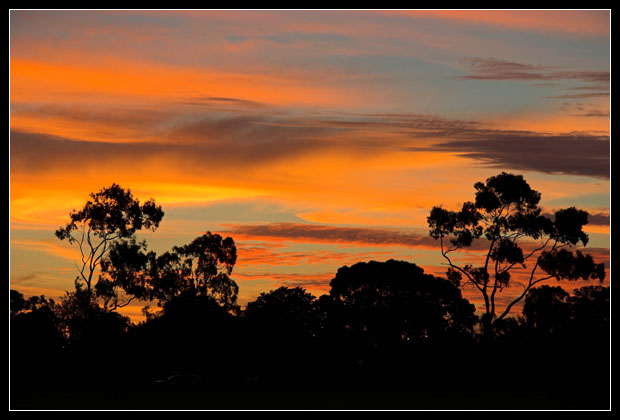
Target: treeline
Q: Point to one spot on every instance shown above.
(384, 326)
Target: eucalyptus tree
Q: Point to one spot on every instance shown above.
(199, 269)
(111, 215)
(506, 213)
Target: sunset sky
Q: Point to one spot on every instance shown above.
(315, 139)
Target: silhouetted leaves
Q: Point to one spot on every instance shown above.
(113, 210)
(287, 310)
(546, 308)
(506, 213)
(112, 215)
(202, 267)
(507, 251)
(566, 265)
(395, 302)
(505, 190)
(569, 226)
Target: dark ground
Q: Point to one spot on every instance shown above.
(247, 399)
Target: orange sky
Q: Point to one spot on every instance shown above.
(358, 120)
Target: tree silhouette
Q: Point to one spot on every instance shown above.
(200, 268)
(192, 333)
(287, 310)
(555, 321)
(207, 263)
(551, 311)
(279, 327)
(383, 325)
(121, 273)
(506, 213)
(35, 341)
(381, 319)
(591, 310)
(547, 309)
(110, 215)
(395, 302)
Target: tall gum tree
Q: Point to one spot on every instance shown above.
(111, 215)
(506, 213)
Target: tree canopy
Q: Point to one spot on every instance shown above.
(112, 214)
(396, 302)
(506, 213)
(200, 268)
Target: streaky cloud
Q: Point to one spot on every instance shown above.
(497, 69)
(570, 154)
(573, 153)
(300, 232)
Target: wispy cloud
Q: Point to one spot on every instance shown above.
(497, 69)
(571, 153)
(579, 109)
(268, 254)
(580, 95)
(308, 233)
(220, 102)
(575, 153)
(214, 142)
(249, 140)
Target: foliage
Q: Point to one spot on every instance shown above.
(396, 302)
(506, 213)
(112, 214)
(284, 306)
(551, 310)
(201, 268)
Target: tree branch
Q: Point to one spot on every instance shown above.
(531, 282)
(457, 267)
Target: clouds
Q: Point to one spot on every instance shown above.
(192, 141)
(574, 84)
(571, 153)
(357, 121)
(497, 69)
(574, 153)
(272, 254)
(169, 87)
(223, 139)
(331, 234)
(219, 102)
